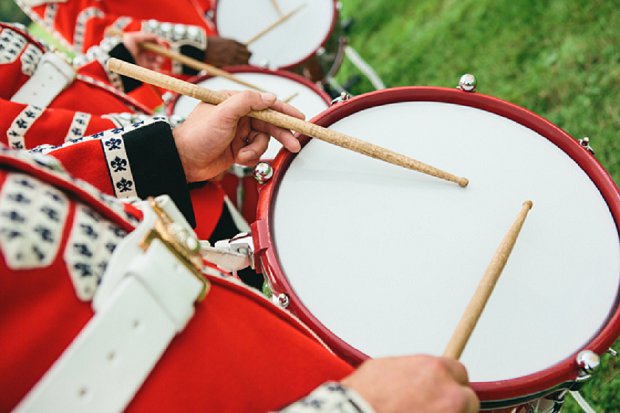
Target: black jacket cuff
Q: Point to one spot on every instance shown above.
(156, 166)
(194, 53)
(120, 52)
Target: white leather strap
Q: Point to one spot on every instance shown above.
(138, 313)
(51, 77)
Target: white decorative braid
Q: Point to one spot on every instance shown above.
(30, 59)
(32, 217)
(21, 124)
(331, 397)
(78, 125)
(80, 25)
(177, 35)
(118, 164)
(120, 23)
(89, 248)
(50, 14)
(11, 45)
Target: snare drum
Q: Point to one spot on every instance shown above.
(381, 261)
(288, 45)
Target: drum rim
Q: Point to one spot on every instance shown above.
(251, 69)
(335, 17)
(565, 371)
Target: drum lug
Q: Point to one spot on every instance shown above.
(232, 254)
(612, 352)
(585, 143)
(467, 83)
(344, 96)
(281, 300)
(263, 172)
(588, 361)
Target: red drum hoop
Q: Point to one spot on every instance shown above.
(170, 105)
(494, 394)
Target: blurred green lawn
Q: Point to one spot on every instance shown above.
(560, 59)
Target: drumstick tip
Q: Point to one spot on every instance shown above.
(529, 204)
(463, 182)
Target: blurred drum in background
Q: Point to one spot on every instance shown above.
(289, 44)
(381, 261)
(296, 90)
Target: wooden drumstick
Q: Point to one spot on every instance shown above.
(472, 313)
(276, 6)
(282, 120)
(291, 97)
(274, 25)
(198, 65)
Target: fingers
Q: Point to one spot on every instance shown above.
(250, 154)
(241, 104)
(284, 136)
(457, 371)
(472, 401)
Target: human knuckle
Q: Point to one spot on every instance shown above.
(434, 364)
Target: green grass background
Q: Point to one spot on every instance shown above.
(558, 58)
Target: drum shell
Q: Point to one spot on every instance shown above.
(495, 395)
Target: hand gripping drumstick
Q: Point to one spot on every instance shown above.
(282, 120)
(472, 313)
(195, 64)
(274, 25)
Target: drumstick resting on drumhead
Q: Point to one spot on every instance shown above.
(276, 6)
(283, 121)
(472, 313)
(274, 25)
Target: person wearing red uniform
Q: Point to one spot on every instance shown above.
(80, 24)
(81, 104)
(94, 317)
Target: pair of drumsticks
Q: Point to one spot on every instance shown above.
(473, 311)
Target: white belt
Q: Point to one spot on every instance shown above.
(52, 75)
(145, 299)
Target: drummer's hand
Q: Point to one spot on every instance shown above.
(226, 52)
(422, 384)
(214, 137)
(142, 57)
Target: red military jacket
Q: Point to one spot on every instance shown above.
(81, 24)
(93, 89)
(239, 353)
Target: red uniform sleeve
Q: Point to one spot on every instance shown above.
(25, 126)
(136, 161)
(84, 23)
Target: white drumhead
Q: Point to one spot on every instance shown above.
(289, 43)
(388, 258)
(304, 98)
